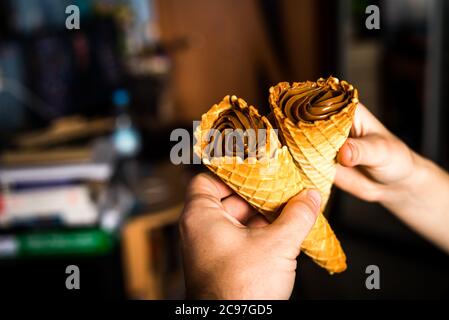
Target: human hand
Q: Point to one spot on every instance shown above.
(377, 166)
(232, 252)
(374, 164)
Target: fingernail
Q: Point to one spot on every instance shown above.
(352, 148)
(315, 196)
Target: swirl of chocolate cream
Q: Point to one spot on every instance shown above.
(312, 101)
(237, 117)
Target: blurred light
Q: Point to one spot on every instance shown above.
(111, 220)
(126, 141)
(8, 246)
(120, 98)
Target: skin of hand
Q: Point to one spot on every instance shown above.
(232, 252)
(374, 165)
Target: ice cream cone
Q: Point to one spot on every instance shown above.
(266, 182)
(314, 146)
(270, 179)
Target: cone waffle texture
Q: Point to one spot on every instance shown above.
(265, 183)
(307, 160)
(314, 146)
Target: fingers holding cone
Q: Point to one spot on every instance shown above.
(270, 184)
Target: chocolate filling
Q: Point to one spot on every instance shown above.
(314, 101)
(238, 117)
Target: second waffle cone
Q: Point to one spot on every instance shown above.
(314, 146)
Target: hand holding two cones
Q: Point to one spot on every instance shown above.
(313, 121)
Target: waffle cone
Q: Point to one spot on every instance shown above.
(314, 146)
(266, 183)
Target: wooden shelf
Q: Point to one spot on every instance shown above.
(142, 281)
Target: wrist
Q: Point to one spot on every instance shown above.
(406, 191)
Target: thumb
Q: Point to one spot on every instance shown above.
(298, 216)
(370, 150)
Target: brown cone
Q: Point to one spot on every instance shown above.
(266, 183)
(314, 147)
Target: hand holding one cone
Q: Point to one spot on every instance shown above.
(313, 119)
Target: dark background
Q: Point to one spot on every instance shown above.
(185, 56)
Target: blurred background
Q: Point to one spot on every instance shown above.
(86, 117)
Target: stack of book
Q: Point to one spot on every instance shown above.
(48, 200)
